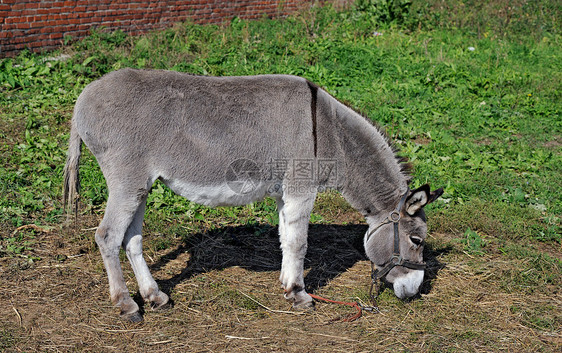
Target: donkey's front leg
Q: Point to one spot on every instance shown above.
(294, 215)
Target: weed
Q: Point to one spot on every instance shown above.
(385, 11)
(8, 338)
(473, 242)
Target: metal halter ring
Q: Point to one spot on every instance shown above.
(394, 216)
(396, 260)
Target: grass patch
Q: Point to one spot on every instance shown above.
(8, 338)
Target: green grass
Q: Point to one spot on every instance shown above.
(474, 104)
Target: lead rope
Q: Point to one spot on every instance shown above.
(350, 318)
(360, 308)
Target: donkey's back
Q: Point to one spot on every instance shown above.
(161, 112)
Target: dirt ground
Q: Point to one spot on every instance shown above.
(227, 298)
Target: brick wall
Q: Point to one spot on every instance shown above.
(43, 24)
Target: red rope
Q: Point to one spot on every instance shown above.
(352, 304)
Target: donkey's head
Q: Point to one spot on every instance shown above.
(395, 241)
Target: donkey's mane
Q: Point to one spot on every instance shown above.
(406, 168)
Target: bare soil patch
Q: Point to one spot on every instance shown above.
(555, 143)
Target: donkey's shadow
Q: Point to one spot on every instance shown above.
(332, 250)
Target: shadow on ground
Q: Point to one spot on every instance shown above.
(332, 250)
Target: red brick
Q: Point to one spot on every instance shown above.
(23, 25)
(10, 20)
(18, 7)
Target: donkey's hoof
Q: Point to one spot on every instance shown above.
(162, 307)
(304, 306)
(301, 300)
(160, 302)
(135, 317)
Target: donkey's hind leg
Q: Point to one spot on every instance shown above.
(119, 213)
(294, 215)
(133, 248)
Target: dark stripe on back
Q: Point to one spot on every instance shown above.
(313, 101)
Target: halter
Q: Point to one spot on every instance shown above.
(396, 259)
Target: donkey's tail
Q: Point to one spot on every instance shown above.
(71, 177)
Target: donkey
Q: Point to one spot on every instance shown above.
(226, 141)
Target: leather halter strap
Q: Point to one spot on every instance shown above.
(396, 259)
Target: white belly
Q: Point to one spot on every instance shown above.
(227, 194)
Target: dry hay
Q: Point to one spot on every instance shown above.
(224, 284)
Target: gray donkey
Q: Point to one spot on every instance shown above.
(225, 141)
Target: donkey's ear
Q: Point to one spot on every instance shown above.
(421, 197)
(435, 194)
(417, 199)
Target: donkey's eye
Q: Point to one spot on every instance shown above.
(416, 240)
